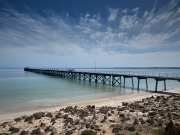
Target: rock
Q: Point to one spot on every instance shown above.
(109, 114)
(160, 122)
(37, 131)
(104, 119)
(124, 104)
(24, 132)
(116, 128)
(18, 119)
(157, 98)
(69, 132)
(65, 116)
(95, 127)
(51, 130)
(112, 121)
(150, 121)
(14, 130)
(131, 110)
(83, 113)
(42, 125)
(104, 109)
(58, 115)
(88, 132)
(4, 124)
(152, 113)
(49, 115)
(175, 115)
(38, 115)
(68, 120)
(142, 120)
(112, 111)
(28, 119)
(69, 109)
(91, 108)
(48, 129)
(76, 122)
(135, 121)
(88, 125)
(121, 108)
(130, 127)
(121, 115)
(53, 121)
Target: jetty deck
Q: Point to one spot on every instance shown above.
(111, 78)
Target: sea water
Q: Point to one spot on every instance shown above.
(21, 91)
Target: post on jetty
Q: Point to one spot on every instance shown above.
(142, 78)
(128, 77)
(113, 79)
(158, 80)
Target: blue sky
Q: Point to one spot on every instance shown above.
(78, 33)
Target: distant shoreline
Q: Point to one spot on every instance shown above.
(132, 68)
(100, 67)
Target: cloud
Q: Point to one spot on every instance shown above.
(123, 31)
(128, 22)
(113, 13)
(48, 35)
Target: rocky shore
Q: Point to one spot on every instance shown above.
(156, 115)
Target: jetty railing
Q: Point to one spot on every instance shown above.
(156, 74)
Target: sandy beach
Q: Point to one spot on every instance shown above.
(138, 113)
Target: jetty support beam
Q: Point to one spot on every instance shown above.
(156, 86)
(142, 78)
(146, 84)
(165, 84)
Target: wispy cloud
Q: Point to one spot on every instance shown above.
(113, 14)
(123, 31)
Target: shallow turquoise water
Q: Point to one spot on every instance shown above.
(21, 90)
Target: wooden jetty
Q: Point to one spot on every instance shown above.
(114, 79)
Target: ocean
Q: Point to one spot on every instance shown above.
(21, 91)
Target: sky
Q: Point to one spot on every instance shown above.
(88, 33)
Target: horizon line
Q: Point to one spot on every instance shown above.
(116, 67)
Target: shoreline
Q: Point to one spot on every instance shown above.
(99, 102)
(141, 113)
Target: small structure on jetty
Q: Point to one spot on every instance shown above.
(113, 79)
